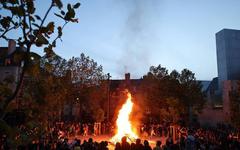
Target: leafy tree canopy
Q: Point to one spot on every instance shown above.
(31, 29)
(171, 93)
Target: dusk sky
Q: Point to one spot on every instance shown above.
(131, 35)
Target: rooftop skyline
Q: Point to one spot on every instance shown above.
(130, 36)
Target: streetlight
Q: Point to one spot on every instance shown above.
(77, 100)
(108, 96)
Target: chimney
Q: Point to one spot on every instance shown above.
(11, 46)
(127, 76)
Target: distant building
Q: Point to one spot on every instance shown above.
(228, 55)
(217, 109)
(116, 89)
(10, 65)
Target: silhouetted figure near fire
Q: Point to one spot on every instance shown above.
(158, 146)
(89, 145)
(139, 145)
(125, 145)
(118, 146)
(133, 146)
(146, 145)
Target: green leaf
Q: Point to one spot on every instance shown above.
(38, 17)
(5, 22)
(74, 20)
(31, 18)
(16, 24)
(54, 43)
(76, 5)
(43, 29)
(59, 31)
(41, 40)
(30, 7)
(70, 14)
(58, 3)
(16, 10)
(69, 7)
(50, 27)
(62, 12)
(48, 50)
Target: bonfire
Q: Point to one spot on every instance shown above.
(124, 126)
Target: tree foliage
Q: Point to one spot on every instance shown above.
(169, 96)
(88, 79)
(54, 86)
(50, 87)
(19, 16)
(20, 21)
(85, 70)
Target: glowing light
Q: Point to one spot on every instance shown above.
(124, 126)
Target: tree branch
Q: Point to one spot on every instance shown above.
(5, 32)
(45, 16)
(66, 22)
(30, 24)
(26, 61)
(9, 29)
(24, 21)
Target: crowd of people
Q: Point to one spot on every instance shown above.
(85, 129)
(67, 136)
(65, 144)
(80, 129)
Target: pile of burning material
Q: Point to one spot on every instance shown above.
(124, 126)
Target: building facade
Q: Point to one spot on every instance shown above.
(218, 108)
(10, 66)
(228, 55)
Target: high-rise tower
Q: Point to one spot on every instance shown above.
(228, 55)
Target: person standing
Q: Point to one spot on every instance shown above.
(158, 146)
(190, 142)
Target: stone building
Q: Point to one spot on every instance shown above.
(10, 65)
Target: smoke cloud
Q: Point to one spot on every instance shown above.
(135, 41)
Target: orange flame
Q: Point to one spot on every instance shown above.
(124, 126)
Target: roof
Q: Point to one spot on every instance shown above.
(205, 84)
(115, 84)
(213, 86)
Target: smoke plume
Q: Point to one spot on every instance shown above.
(135, 33)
